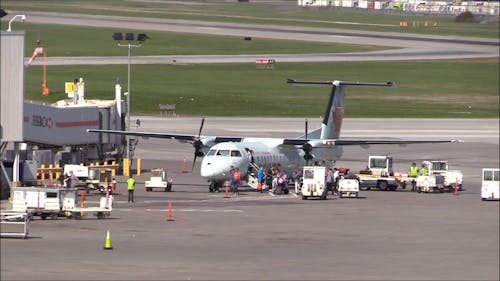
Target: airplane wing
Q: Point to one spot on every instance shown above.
(295, 141)
(179, 137)
(363, 142)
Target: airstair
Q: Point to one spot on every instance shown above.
(252, 176)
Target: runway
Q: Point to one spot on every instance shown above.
(397, 235)
(408, 46)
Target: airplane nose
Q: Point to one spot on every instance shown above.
(216, 168)
(212, 169)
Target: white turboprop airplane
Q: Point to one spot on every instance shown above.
(221, 153)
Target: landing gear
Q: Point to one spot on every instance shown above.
(214, 186)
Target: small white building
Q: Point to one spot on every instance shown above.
(422, 6)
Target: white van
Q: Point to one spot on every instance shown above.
(490, 188)
(314, 184)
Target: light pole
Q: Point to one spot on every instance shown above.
(141, 37)
(23, 18)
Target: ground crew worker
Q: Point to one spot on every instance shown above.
(131, 188)
(423, 171)
(413, 174)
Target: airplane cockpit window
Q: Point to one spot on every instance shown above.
(211, 152)
(223, 152)
(235, 153)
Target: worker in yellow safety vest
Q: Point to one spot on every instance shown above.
(413, 174)
(423, 171)
(130, 188)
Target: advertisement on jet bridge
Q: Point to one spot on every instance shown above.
(67, 125)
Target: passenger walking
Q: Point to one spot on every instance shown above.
(283, 181)
(236, 180)
(67, 181)
(73, 180)
(296, 181)
(413, 174)
(336, 178)
(276, 176)
(130, 188)
(329, 181)
(260, 178)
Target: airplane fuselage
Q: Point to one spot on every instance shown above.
(222, 157)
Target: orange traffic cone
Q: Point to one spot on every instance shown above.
(456, 188)
(227, 190)
(107, 244)
(170, 218)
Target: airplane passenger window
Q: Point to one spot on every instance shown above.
(235, 153)
(223, 152)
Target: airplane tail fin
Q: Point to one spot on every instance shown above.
(334, 114)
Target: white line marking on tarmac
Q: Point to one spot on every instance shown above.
(198, 210)
(222, 199)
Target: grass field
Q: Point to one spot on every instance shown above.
(91, 41)
(424, 89)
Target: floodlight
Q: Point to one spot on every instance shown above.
(129, 36)
(118, 36)
(141, 37)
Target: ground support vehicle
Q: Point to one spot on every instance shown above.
(314, 182)
(380, 175)
(159, 179)
(71, 209)
(99, 179)
(490, 187)
(430, 184)
(348, 188)
(55, 202)
(450, 177)
(39, 201)
(378, 182)
(91, 178)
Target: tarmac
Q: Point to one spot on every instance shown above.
(382, 235)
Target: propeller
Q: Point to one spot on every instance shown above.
(198, 145)
(306, 147)
(306, 124)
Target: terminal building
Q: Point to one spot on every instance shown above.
(34, 133)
